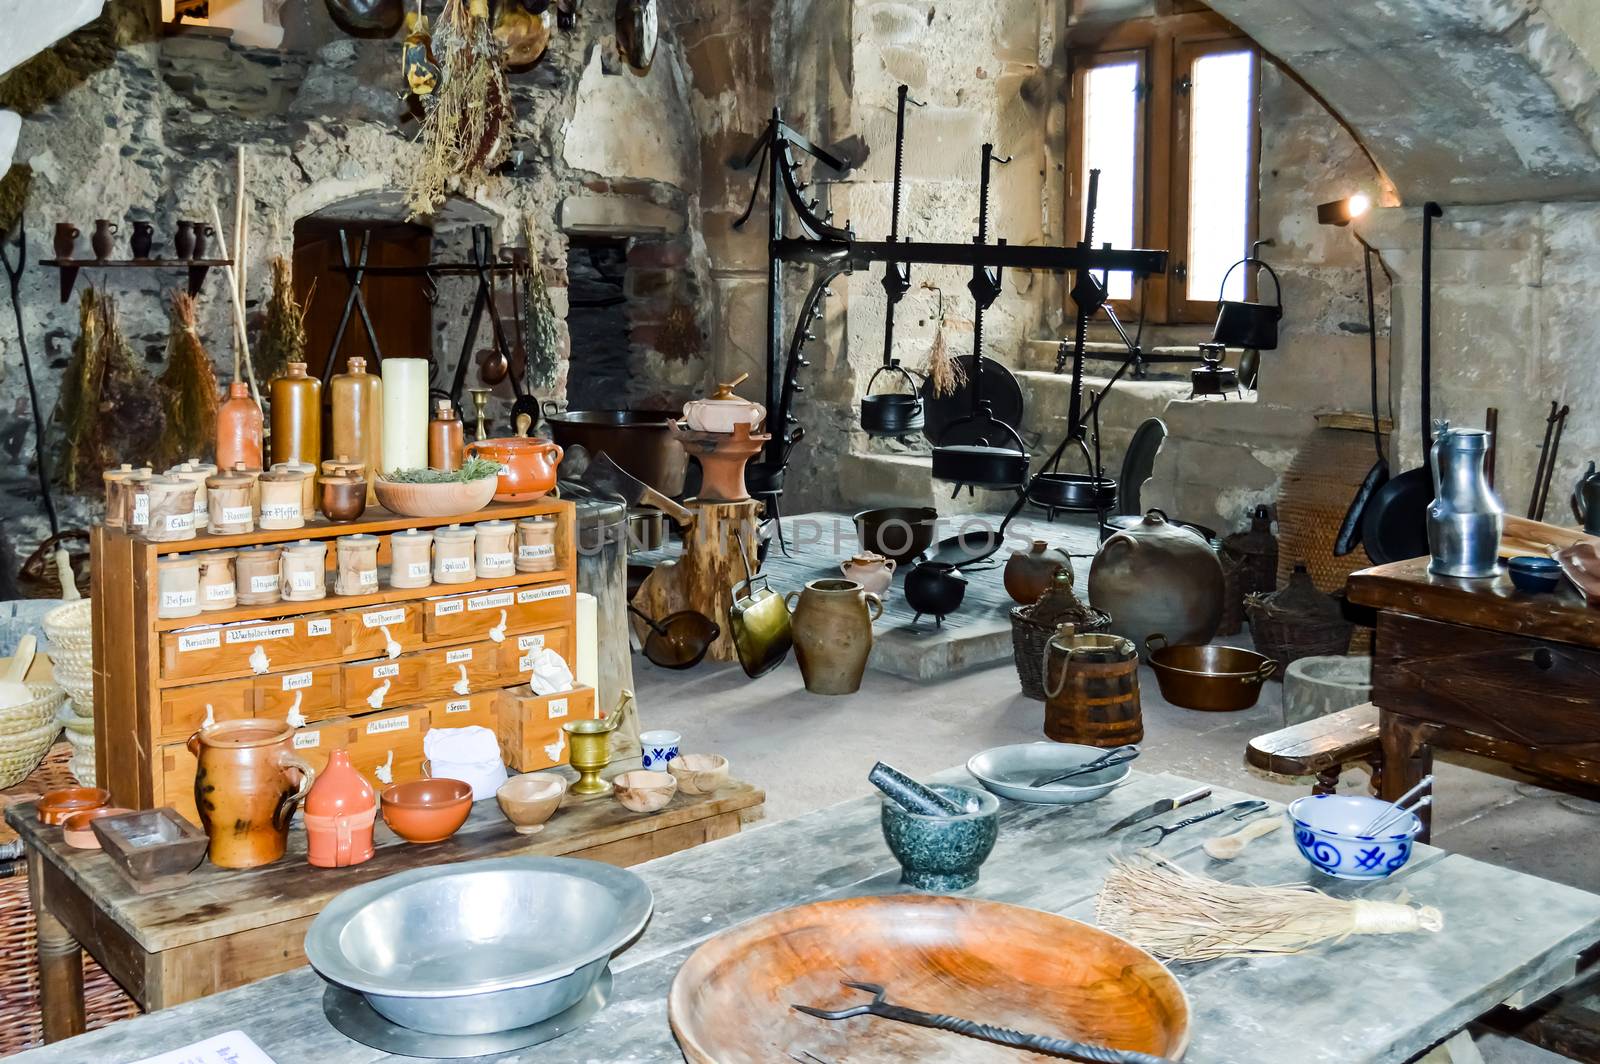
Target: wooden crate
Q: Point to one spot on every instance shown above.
(530, 725)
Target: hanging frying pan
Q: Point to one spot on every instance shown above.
(1394, 524)
(1349, 537)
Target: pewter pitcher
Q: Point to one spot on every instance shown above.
(1465, 519)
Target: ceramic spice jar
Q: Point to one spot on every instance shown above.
(177, 586)
(217, 586)
(256, 577)
(453, 555)
(195, 471)
(308, 483)
(116, 481)
(357, 572)
(411, 559)
(302, 572)
(230, 502)
(339, 813)
(281, 498)
(536, 544)
(495, 556)
(171, 513)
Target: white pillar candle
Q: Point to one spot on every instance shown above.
(405, 413)
(588, 670)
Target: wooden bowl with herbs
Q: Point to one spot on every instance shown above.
(437, 492)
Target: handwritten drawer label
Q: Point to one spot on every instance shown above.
(380, 618)
(378, 727)
(530, 642)
(525, 664)
(219, 592)
(444, 609)
(489, 602)
(558, 708)
(380, 672)
(198, 640)
(319, 627)
(294, 681)
(455, 657)
(237, 515)
(304, 740)
(260, 632)
(260, 585)
(539, 594)
(458, 706)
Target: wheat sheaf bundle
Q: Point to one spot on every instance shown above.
(468, 128)
(1182, 916)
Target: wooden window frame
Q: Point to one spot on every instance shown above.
(1169, 44)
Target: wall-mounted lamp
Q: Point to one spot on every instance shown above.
(1341, 212)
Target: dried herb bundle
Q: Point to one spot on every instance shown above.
(471, 469)
(283, 334)
(944, 369)
(107, 411)
(543, 346)
(467, 131)
(189, 390)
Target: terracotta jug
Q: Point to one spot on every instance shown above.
(246, 787)
(296, 417)
(355, 399)
(1029, 572)
(833, 634)
(340, 810)
(872, 571)
(239, 430)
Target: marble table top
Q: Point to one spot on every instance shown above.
(1507, 936)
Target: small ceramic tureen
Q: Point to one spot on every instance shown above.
(723, 410)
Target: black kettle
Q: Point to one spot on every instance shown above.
(1244, 324)
(936, 588)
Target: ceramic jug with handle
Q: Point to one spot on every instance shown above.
(833, 634)
(872, 571)
(1465, 518)
(340, 811)
(246, 786)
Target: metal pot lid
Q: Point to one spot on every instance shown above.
(1000, 390)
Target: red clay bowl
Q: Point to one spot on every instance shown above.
(77, 831)
(56, 806)
(427, 810)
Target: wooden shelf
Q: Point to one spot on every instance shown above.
(69, 269)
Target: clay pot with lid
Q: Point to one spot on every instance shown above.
(230, 501)
(247, 783)
(1158, 577)
(340, 811)
(344, 498)
(527, 464)
(722, 410)
(1028, 573)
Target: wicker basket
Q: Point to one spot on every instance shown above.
(69, 627)
(1312, 500)
(1297, 622)
(1029, 639)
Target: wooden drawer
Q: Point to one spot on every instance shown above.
(389, 745)
(184, 709)
(476, 710)
(456, 671)
(372, 629)
(518, 609)
(175, 765)
(530, 726)
(317, 693)
(379, 683)
(252, 646)
(521, 649)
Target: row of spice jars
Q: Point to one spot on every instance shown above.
(188, 584)
(195, 494)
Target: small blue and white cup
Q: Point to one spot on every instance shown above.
(659, 748)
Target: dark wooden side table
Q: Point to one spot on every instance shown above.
(1478, 666)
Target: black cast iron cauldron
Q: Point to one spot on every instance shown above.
(892, 413)
(936, 588)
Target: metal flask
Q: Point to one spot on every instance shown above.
(1465, 519)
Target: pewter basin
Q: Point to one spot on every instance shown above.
(480, 946)
(1001, 767)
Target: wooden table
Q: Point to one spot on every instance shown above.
(1507, 936)
(1478, 666)
(224, 929)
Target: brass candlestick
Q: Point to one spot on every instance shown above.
(480, 403)
(590, 741)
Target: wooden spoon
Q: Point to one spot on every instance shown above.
(1227, 847)
(13, 692)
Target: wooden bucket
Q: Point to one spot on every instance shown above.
(1092, 690)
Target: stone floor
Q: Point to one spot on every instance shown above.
(809, 751)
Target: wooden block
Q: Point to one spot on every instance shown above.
(520, 651)
(316, 693)
(232, 649)
(184, 709)
(530, 725)
(458, 617)
(474, 667)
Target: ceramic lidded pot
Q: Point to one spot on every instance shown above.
(872, 571)
(527, 464)
(246, 786)
(230, 502)
(1029, 572)
(117, 482)
(411, 558)
(281, 499)
(217, 586)
(171, 509)
(255, 571)
(722, 410)
(833, 634)
(453, 561)
(536, 544)
(495, 556)
(196, 472)
(308, 483)
(177, 586)
(135, 497)
(1158, 577)
(302, 571)
(357, 558)
(341, 808)
(344, 497)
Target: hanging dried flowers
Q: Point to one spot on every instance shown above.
(283, 334)
(468, 129)
(189, 389)
(539, 315)
(945, 371)
(107, 411)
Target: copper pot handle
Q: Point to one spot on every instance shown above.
(874, 603)
(1263, 673)
(1150, 642)
(286, 760)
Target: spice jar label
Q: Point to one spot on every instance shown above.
(367, 578)
(197, 640)
(447, 607)
(141, 509)
(416, 570)
(304, 740)
(531, 551)
(558, 708)
(497, 561)
(294, 681)
(459, 706)
(281, 511)
(537, 594)
(489, 602)
(303, 581)
(177, 600)
(260, 585)
(378, 727)
(180, 522)
(237, 515)
(380, 672)
(379, 618)
(219, 592)
(455, 657)
(258, 632)
(321, 627)
(530, 642)
(455, 565)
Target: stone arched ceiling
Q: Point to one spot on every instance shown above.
(1461, 101)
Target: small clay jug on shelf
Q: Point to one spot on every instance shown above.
(246, 786)
(833, 634)
(1029, 572)
(340, 810)
(66, 240)
(103, 238)
(144, 235)
(183, 240)
(872, 571)
(201, 231)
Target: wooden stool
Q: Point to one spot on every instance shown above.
(1321, 747)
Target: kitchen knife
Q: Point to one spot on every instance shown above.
(1165, 805)
(604, 474)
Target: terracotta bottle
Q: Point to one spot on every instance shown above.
(340, 811)
(239, 426)
(446, 438)
(356, 403)
(296, 417)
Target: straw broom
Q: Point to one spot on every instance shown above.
(1179, 915)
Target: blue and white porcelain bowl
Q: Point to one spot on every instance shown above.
(1327, 828)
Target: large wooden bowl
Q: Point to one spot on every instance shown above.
(998, 964)
(435, 500)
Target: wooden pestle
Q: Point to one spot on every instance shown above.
(909, 793)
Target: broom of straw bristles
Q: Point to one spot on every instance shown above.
(1179, 915)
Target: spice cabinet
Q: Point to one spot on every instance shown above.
(371, 672)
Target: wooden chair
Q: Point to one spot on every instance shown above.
(1321, 747)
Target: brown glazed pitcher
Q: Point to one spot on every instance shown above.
(247, 786)
(833, 634)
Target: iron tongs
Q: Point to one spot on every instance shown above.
(1037, 1043)
(1241, 811)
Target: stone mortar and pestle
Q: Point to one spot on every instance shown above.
(941, 835)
